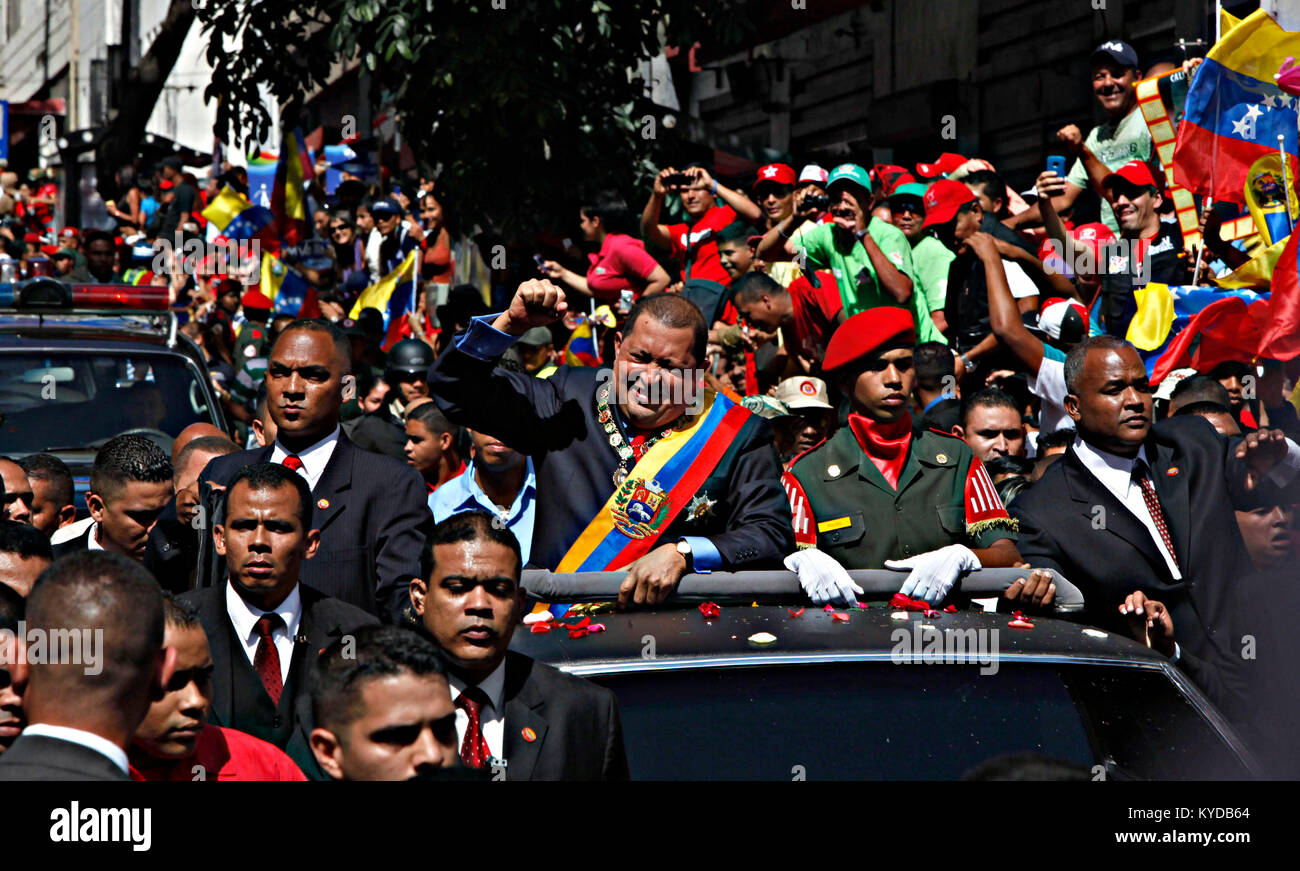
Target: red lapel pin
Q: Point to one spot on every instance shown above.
(1173, 470)
(529, 735)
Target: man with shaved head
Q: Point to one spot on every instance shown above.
(174, 542)
(192, 432)
(87, 694)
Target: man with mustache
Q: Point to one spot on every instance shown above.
(1133, 506)
(263, 626)
(175, 742)
(883, 493)
(645, 471)
(511, 711)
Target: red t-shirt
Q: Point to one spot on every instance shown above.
(226, 754)
(621, 263)
(697, 246)
(815, 311)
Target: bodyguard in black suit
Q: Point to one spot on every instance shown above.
(263, 627)
(371, 510)
(513, 712)
(82, 714)
(1173, 535)
(583, 447)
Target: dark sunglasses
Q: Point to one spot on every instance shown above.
(337, 228)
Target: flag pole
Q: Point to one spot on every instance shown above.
(1196, 274)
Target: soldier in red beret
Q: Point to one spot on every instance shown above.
(883, 494)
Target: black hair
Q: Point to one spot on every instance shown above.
(217, 445)
(735, 231)
(1008, 466)
(432, 417)
(272, 476)
(1202, 407)
(1059, 438)
(370, 653)
(1078, 356)
(611, 209)
(47, 467)
(992, 184)
(752, 285)
(12, 608)
(676, 312)
(932, 361)
(179, 614)
(366, 380)
(1011, 487)
(24, 540)
(1201, 388)
(987, 397)
(128, 458)
(469, 526)
(93, 236)
(319, 325)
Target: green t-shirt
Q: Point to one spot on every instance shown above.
(847, 259)
(930, 260)
(1114, 145)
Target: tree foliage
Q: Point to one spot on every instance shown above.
(520, 104)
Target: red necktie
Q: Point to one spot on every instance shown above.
(474, 750)
(267, 659)
(292, 462)
(1153, 506)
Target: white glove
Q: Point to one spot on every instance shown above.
(822, 578)
(934, 573)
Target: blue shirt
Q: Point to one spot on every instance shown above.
(463, 493)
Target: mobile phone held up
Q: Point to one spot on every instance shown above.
(676, 180)
(1056, 164)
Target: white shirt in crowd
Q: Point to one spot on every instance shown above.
(314, 459)
(244, 617)
(492, 717)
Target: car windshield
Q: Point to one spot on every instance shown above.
(874, 721)
(71, 400)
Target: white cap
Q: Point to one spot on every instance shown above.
(813, 172)
(1170, 381)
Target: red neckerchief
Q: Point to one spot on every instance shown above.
(885, 443)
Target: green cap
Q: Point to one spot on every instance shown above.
(766, 406)
(849, 172)
(911, 189)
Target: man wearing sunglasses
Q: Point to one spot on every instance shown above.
(930, 257)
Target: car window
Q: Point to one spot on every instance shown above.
(841, 721)
(879, 721)
(68, 400)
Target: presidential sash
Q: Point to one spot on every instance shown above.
(657, 489)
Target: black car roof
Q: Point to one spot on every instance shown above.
(681, 635)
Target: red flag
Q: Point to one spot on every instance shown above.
(1224, 330)
(1281, 333)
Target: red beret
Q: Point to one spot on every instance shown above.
(255, 299)
(866, 332)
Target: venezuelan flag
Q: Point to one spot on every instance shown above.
(225, 207)
(581, 349)
(1235, 111)
(286, 289)
(288, 200)
(1165, 315)
(1281, 335)
(394, 295)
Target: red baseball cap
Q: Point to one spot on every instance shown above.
(943, 199)
(255, 299)
(32, 237)
(165, 185)
(70, 231)
(1135, 172)
(947, 163)
(777, 173)
(49, 250)
(867, 332)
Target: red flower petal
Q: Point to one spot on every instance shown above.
(794, 613)
(539, 628)
(579, 632)
(951, 609)
(840, 618)
(710, 609)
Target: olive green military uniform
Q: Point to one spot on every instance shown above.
(252, 342)
(843, 505)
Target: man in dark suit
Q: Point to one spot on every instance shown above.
(263, 626)
(174, 540)
(512, 711)
(371, 510)
(383, 708)
(587, 434)
(84, 702)
(1136, 507)
(130, 486)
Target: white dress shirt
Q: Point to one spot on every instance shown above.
(1116, 474)
(92, 541)
(86, 739)
(244, 617)
(314, 459)
(492, 717)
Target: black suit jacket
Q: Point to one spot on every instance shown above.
(578, 732)
(1070, 522)
(373, 515)
(37, 757)
(553, 420)
(323, 621)
(72, 545)
(379, 432)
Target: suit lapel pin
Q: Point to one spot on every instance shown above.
(529, 735)
(941, 458)
(833, 470)
(1173, 470)
(322, 504)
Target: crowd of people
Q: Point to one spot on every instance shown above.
(826, 370)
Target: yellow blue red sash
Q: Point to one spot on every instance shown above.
(660, 484)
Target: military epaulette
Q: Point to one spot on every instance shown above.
(1008, 523)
